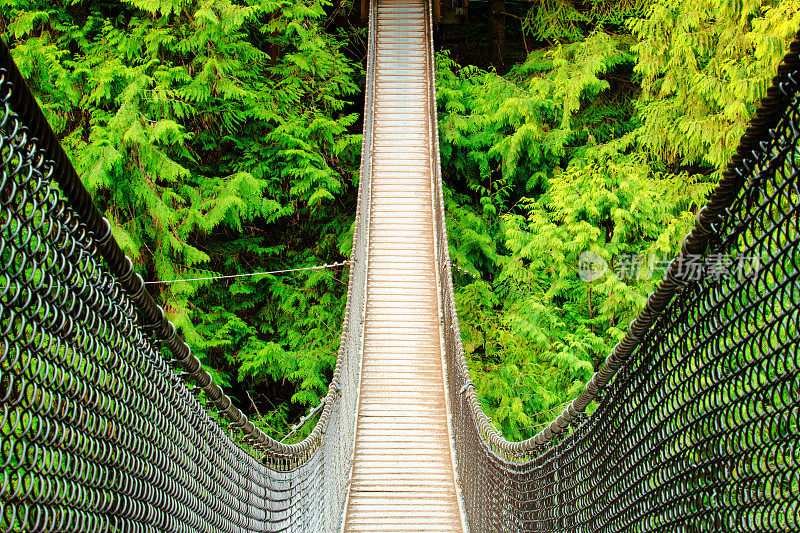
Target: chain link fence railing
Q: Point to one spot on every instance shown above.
(97, 430)
(696, 425)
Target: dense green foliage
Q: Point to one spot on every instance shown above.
(606, 141)
(216, 136)
(219, 138)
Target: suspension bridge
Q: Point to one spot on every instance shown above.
(694, 415)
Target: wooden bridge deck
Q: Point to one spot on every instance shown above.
(403, 478)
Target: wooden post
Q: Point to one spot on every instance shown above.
(437, 11)
(364, 9)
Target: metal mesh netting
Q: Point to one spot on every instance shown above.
(696, 427)
(97, 431)
(697, 424)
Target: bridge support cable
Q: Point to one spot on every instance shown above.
(696, 413)
(98, 432)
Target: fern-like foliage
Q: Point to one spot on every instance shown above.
(704, 65)
(215, 135)
(606, 141)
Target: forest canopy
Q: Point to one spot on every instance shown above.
(222, 137)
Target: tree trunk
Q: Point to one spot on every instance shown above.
(498, 8)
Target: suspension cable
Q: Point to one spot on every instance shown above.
(249, 274)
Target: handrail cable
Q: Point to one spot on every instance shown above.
(703, 382)
(33, 163)
(250, 274)
(771, 109)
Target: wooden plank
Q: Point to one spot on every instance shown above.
(402, 479)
